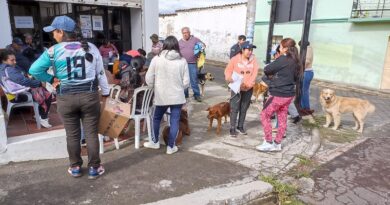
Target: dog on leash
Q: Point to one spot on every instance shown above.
(202, 78)
(184, 129)
(334, 106)
(217, 112)
(259, 89)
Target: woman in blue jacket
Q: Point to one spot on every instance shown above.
(17, 75)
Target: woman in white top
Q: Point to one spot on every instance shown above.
(168, 74)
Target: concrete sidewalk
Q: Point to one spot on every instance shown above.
(206, 163)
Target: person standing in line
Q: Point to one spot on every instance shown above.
(78, 70)
(236, 48)
(187, 44)
(157, 45)
(244, 64)
(283, 73)
(168, 74)
(307, 78)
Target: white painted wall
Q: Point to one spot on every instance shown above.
(6, 34)
(150, 22)
(136, 28)
(218, 28)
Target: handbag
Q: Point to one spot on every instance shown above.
(12, 87)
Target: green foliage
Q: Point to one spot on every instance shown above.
(285, 192)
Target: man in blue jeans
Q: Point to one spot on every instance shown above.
(187, 44)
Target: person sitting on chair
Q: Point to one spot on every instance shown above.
(17, 75)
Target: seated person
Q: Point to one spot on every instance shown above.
(109, 52)
(17, 75)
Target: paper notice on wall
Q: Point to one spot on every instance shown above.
(97, 23)
(85, 22)
(24, 22)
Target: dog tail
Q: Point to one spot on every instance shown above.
(370, 107)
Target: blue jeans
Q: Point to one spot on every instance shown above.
(193, 71)
(305, 98)
(174, 122)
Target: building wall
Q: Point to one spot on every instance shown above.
(345, 52)
(6, 33)
(218, 28)
(150, 23)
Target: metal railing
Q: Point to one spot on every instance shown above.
(370, 9)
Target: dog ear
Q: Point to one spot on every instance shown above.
(208, 109)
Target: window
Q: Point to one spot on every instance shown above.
(370, 9)
(290, 10)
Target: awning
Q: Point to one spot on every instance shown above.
(115, 3)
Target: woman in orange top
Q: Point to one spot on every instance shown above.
(244, 64)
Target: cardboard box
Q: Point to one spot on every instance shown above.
(114, 117)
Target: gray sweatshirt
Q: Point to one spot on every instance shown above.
(168, 74)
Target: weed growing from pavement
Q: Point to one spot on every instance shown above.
(338, 136)
(304, 168)
(285, 192)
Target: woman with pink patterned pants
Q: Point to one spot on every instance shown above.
(281, 77)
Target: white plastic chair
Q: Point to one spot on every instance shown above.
(29, 103)
(115, 89)
(142, 113)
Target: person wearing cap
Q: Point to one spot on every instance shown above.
(16, 47)
(236, 48)
(187, 44)
(78, 70)
(282, 74)
(244, 64)
(157, 45)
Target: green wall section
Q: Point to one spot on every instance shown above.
(345, 52)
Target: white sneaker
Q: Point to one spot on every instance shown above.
(276, 147)
(172, 150)
(265, 147)
(45, 123)
(152, 145)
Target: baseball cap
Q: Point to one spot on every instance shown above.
(154, 37)
(61, 22)
(247, 45)
(18, 41)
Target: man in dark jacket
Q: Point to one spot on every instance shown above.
(236, 48)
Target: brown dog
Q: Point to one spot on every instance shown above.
(259, 89)
(217, 112)
(184, 129)
(334, 105)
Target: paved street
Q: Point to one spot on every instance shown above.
(359, 176)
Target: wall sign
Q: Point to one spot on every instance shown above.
(24, 22)
(97, 23)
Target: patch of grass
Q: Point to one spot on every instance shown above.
(304, 168)
(337, 136)
(285, 192)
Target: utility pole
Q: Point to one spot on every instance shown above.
(304, 40)
(272, 19)
(250, 20)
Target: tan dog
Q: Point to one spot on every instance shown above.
(184, 129)
(334, 105)
(217, 112)
(259, 89)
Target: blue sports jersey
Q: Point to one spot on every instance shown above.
(71, 67)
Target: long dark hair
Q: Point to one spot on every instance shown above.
(292, 52)
(75, 36)
(171, 43)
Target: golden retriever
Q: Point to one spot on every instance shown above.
(334, 105)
